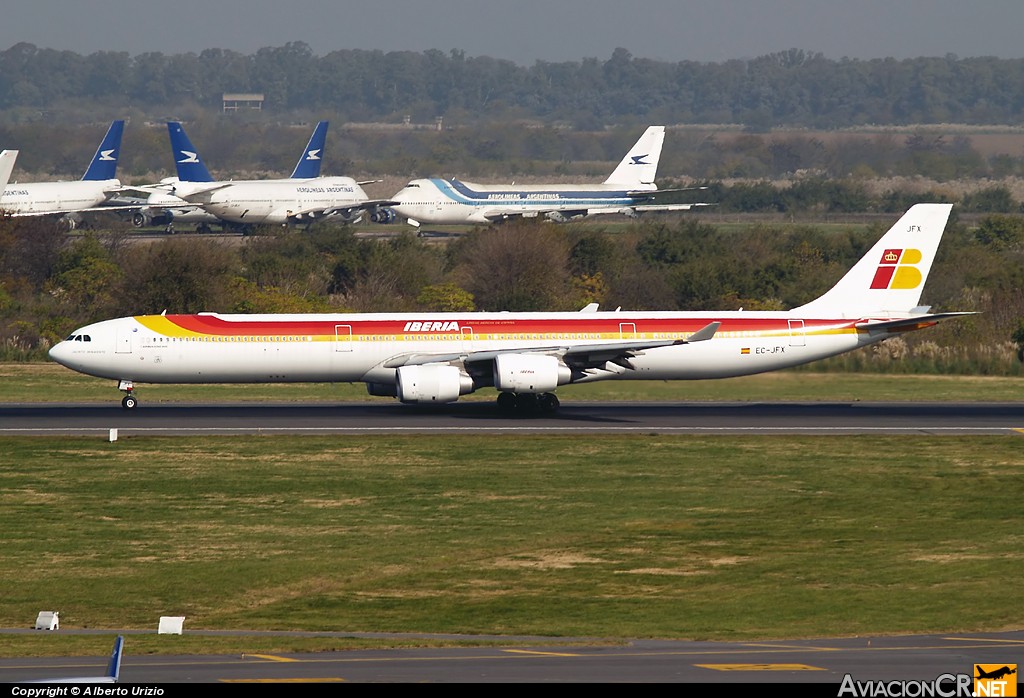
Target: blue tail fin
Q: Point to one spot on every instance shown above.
(114, 667)
(104, 162)
(190, 166)
(308, 165)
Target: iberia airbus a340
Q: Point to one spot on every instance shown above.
(436, 357)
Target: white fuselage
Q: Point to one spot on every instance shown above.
(211, 348)
(180, 210)
(272, 202)
(55, 197)
(451, 202)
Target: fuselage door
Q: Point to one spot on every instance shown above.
(797, 333)
(123, 340)
(627, 330)
(343, 338)
(467, 338)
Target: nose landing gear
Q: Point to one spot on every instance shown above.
(130, 402)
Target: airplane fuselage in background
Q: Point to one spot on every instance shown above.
(451, 202)
(272, 202)
(55, 197)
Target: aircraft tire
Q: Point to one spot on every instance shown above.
(507, 402)
(129, 402)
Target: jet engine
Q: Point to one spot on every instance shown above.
(149, 217)
(383, 215)
(528, 373)
(435, 383)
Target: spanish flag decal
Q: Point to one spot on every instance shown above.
(745, 350)
(897, 270)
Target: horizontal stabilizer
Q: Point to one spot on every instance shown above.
(914, 322)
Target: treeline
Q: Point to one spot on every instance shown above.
(50, 285)
(507, 151)
(790, 88)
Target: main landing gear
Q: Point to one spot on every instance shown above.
(528, 403)
(130, 402)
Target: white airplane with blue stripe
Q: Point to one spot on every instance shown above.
(629, 190)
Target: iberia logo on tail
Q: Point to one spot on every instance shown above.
(897, 270)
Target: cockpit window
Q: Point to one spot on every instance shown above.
(71, 338)
(86, 338)
(412, 186)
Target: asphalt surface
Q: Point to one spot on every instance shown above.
(484, 417)
(534, 660)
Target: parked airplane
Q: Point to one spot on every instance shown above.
(7, 159)
(71, 198)
(436, 357)
(266, 202)
(166, 209)
(113, 674)
(629, 190)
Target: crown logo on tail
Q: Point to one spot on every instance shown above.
(898, 270)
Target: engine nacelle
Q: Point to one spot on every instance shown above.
(144, 219)
(383, 215)
(529, 373)
(432, 384)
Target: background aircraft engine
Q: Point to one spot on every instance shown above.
(383, 215)
(522, 373)
(432, 384)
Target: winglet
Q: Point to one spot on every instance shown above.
(705, 333)
(640, 166)
(308, 166)
(7, 159)
(114, 666)
(187, 161)
(104, 162)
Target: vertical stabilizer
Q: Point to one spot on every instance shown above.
(104, 162)
(308, 166)
(890, 277)
(187, 161)
(7, 159)
(114, 666)
(640, 166)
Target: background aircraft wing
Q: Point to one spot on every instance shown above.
(347, 211)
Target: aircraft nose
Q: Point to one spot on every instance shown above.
(60, 352)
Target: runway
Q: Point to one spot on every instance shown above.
(937, 419)
(827, 662)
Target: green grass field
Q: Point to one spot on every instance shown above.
(609, 536)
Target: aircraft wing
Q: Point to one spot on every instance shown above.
(646, 208)
(197, 193)
(346, 210)
(579, 357)
(641, 193)
(90, 209)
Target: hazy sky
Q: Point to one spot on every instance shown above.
(529, 30)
